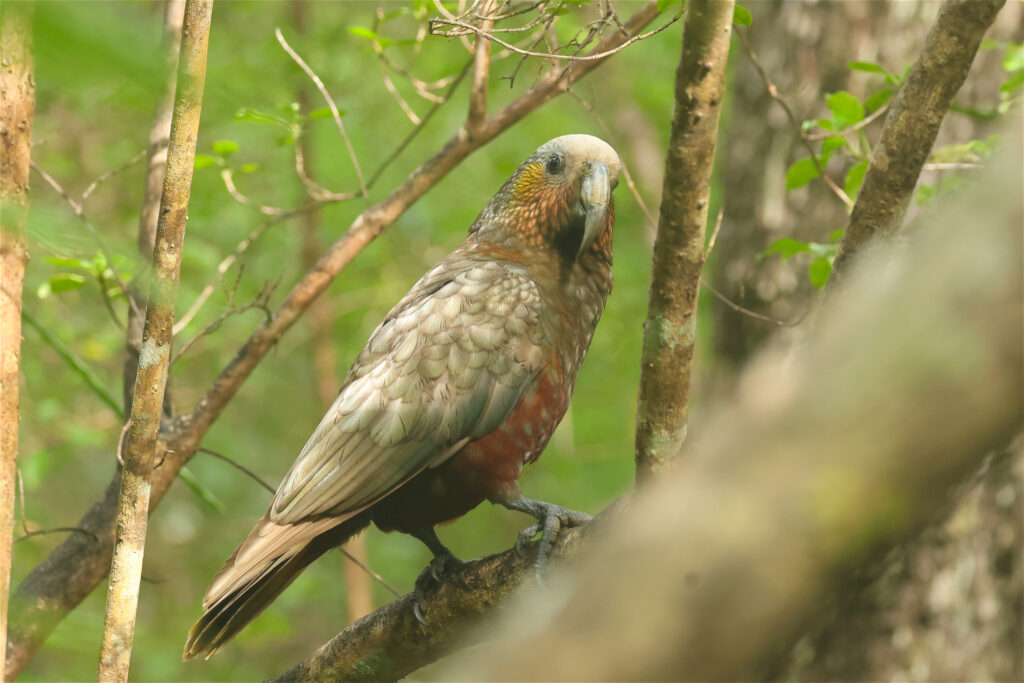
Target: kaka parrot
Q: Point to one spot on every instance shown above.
(461, 385)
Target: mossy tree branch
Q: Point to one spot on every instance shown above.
(671, 326)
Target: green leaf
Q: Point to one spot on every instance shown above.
(818, 271)
(198, 488)
(249, 168)
(785, 247)
(665, 4)
(1013, 58)
(741, 16)
(836, 235)
(876, 100)
(831, 144)
(66, 282)
(325, 113)
(925, 193)
(205, 161)
(801, 173)
(1013, 83)
(845, 107)
(69, 263)
(869, 67)
(364, 32)
(255, 116)
(225, 148)
(854, 179)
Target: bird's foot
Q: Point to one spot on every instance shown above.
(551, 519)
(430, 580)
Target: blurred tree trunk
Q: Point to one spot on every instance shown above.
(17, 110)
(805, 48)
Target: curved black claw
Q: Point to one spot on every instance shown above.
(551, 519)
(430, 580)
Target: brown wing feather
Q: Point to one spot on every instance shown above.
(448, 364)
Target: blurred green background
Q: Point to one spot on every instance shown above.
(98, 72)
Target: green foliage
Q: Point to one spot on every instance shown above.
(98, 80)
(741, 16)
(800, 173)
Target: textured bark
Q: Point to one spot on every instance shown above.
(825, 459)
(946, 606)
(390, 643)
(670, 331)
(140, 450)
(912, 125)
(79, 563)
(174, 12)
(17, 109)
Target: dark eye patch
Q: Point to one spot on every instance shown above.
(554, 164)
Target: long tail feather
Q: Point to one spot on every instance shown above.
(244, 588)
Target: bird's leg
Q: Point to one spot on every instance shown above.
(430, 578)
(551, 519)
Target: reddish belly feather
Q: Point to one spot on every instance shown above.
(486, 469)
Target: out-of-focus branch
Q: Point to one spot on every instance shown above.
(671, 327)
(140, 452)
(17, 112)
(912, 124)
(823, 460)
(75, 567)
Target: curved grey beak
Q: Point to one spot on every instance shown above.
(594, 196)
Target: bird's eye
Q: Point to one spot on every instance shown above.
(554, 164)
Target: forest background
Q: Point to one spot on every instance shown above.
(99, 70)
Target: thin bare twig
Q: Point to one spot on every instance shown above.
(773, 91)
(110, 174)
(481, 74)
(864, 122)
(547, 55)
(238, 466)
(55, 530)
(389, 85)
(260, 301)
(950, 167)
(330, 104)
(746, 311)
(415, 131)
(227, 176)
(77, 209)
(314, 189)
(714, 234)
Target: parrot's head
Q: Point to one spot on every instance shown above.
(559, 198)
